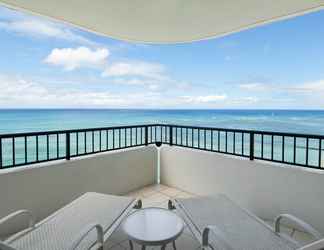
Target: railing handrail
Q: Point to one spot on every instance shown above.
(77, 142)
(48, 132)
(265, 132)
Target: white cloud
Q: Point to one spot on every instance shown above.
(143, 69)
(71, 58)
(204, 99)
(308, 87)
(42, 28)
(254, 86)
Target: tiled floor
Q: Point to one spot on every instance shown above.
(158, 196)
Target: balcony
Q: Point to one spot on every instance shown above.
(269, 173)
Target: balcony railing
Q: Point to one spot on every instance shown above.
(20, 149)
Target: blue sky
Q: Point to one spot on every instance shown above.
(46, 64)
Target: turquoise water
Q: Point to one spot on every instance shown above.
(306, 122)
(271, 120)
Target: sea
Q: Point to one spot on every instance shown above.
(31, 120)
(35, 120)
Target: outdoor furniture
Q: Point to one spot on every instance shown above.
(219, 223)
(153, 227)
(85, 223)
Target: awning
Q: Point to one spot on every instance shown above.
(166, 21)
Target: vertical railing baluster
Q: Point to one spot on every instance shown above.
(100, 140)
(135, 136)
(262, 146)
(13, 152)
(319, 153)
(171, 135)
(151, 134)
(57, 146)
(131, 136)
(125, 137)
(119, 138)
(181, 137)
(107, 135)
(85, 142)
(161, 133)
(47, 146)
(294, 149)
(155, 137)
(37, 148)
(218, 140)
(192, 137)
(25, 149)
(146, 135)
(198, 138)
(211, 140)
(205, 139)
(77, 143)
(113, 134)
(176, 135)
(272, 147)
(283, 149)
(187, 137)
(251, 146)
(242, 149)
(92, 141)
(67, 146)
(307, 144)
(234, 143)
(226, 141)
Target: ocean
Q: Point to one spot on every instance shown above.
(30, 120)
(33, 120)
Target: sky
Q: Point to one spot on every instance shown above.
(47, 64)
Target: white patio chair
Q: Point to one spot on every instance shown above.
(220, 224)
(85, 223)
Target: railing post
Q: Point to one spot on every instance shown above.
(67, 146)
(146, 135)
(171, 135)
(251, 146)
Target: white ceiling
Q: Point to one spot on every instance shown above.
(166, 21)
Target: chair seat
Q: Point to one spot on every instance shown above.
(59, 230)
(241, 229)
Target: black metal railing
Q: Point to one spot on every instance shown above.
(28, 148)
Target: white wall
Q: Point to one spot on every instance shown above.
(44, 188)
(265, 188)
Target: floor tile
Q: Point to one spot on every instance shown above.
(171, 192)
(155, 198)
(184, 195)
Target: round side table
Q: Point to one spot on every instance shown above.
(153, 227)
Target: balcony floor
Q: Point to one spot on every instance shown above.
(158, 196)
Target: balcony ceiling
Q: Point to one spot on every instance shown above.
(166, 21)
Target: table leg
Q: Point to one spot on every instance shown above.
(174, 245)
(143, 247)
(131, 245)
(163, 247)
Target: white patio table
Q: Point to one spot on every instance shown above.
(153, 227)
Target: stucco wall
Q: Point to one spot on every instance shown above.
(44, 188)
(265, 188)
